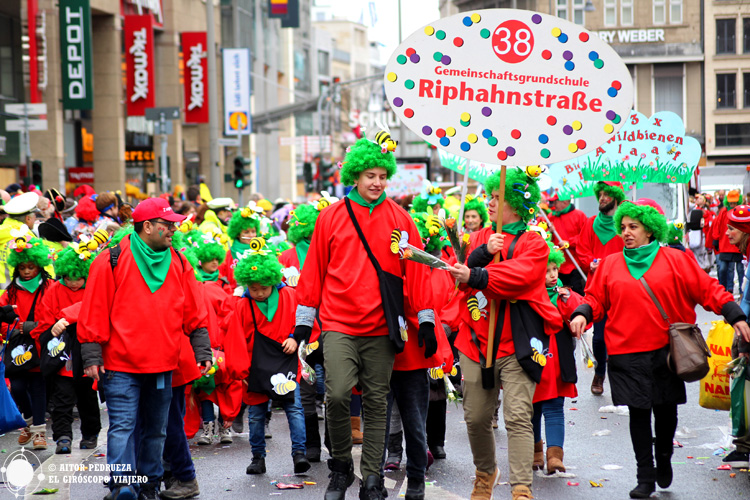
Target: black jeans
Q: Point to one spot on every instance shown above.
(30, 394)
(599, 347)
(644, 444)
(68, 392)
(436, 414)
(411, 391)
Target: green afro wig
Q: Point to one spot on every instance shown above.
(480, 206)
(301, 223)
(614, 192)
(675, 233)
(69, 264)
(178, 241)
(35, 252)
(119, 235)
(421, 204)
(264, 270)
(521, 191)
(206, 251)
(652, 220)
(363, 155)
(555, 255)
(241, 222)
(426, 221)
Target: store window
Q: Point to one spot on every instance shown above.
(324, 63)
(610, 12)
(726, 90)
(732, 134)
(626, 12)
(675, 11)
(660, 11)
(562, 9)
(725, 34)
(668, 88)
(746, 90)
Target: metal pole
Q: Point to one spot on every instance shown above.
(567, 251)
(27, 140)
(213, 104)
(400, 39)
(163, 157)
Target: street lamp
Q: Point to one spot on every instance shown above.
(589, 7)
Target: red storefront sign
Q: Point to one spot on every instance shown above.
(139, 55)
(81, 175)
(195, 76)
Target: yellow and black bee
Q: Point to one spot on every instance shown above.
(55, 346)
(403, 328)
(433, 225)
(21, 354)
(283, 385)
(534, 170)
(436, 373)
(477, 305)
(257, 244)
(537, 352)
(383, 138)
(186, 226)
(399, 241)
(99, 238)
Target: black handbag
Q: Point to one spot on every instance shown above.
(391, 290)
(20, 353)
(57, 351)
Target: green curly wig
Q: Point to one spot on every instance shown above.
(363, 155)
(675, 234)
(421, 204)
(652, 220)
(35, 252)
(264, 270)
(178, 241)
(555, 255)
(119, 235)
(238, 223)
(480, 206)
(69, 264)
(208, 251)
(431, 243)
(613, 192)
(517, 184)
(301, 223)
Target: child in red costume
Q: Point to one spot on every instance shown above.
(244, 226)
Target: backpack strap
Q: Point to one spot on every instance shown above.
(114, 256)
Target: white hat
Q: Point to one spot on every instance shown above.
(22, 204)
(219, 203)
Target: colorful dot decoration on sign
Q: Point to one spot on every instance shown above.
(486, 133)
(502, 155)
(536, 19)
(515, 133)
(485, 33)
(414, 58)
(467, 21)
(450, 131)
(567, 55)
(427, 130)
(444, 141)
(567, 130)
(551, 120)
(556, 32)
(486, 111)
(464, 124)
(612, 92)
(572, 147)
(492, 141)
(543, 138)
(465, 117)
(398, 102)
(583, 36)
(392, 77)
(401, 59)
(576, 125)
(458, 41)
(593, 55)
(409, 84)
(616, 85)
(473, 138)
(410, 52)
(510, 151)
(408, 112)
(437, 56)
(608, 128)
(429, 30)
(610, 115)
(475, 18)
(440, 35)
(446, 59)
(598, 64)
(440, 133)
(570, 65)
(465, 146)
(546, 54)
(544, 153)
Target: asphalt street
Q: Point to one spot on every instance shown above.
(597, 449)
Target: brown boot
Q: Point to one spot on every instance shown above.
(38, 433)
(597, 385)
(356, 432)
(555, 460)
(538, 456)
(483, 485)
(25, 436)
(521, 492)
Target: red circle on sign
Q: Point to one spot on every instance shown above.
(584, 37)
(546, 54)
(440, 133)
(515, 133)
(512, 41)
(551, 120)
(410, 51)
(458, 41)
(502, 155)
(408, 112)
(581, 144)
(617, 85)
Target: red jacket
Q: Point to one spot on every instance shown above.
(140, 331)
(23, 300)
(590, 248)
(56, 305)
(226, 269)
(719, 232)
(338, 275)
(520, 278)
(569, 227)
(708, 220)
(633, 321)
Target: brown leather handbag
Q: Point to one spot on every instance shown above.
(688, 351)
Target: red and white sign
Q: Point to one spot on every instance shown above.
(152, 8)
(139, 55)
(196, 76)
(81, 175)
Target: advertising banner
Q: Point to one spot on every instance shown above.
(139, 56)
(76, 54)
(236, 91)
(196, 76)
(509, 86)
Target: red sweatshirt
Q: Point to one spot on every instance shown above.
(340, 279)
(590, 248)
(520, 278)
(719, 232)
(569, 227)
(23, 301)
(634, 323)
(56, 305)
(708, 220)
(140, 331)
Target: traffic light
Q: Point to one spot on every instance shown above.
(327, 173)
(307, 175)
(240, 172)
(36, 173)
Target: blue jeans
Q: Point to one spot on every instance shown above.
(256, 417)
(554, 421)
(411, 391)
(143, 399)
(599, 347)
(176, 449)
(725, 273)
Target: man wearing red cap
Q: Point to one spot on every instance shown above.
(141, 297)
(599, 239)
(568, 222)
(728, 256)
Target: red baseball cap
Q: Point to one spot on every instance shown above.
(156, 208)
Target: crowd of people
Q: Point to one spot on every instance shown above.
(244, 307)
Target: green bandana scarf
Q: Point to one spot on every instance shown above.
(204, 276)
(357, 198)
(552, 292)
(639, 260)
(153, 266)
(302, 248)
(238, 248)
(32, 284)
(269, 306)
(513, 228)
(604, 227)
(563, 211)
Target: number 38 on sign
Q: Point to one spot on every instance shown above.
(512, 41)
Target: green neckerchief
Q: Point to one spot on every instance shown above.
(604, 227)
(564, 211)
(238, 248)
(32, 284)
(513, 228)
(357, 198)
(268, 307)
(204, 276)
(553, 293)
(301, 248)
(153, 265)
(639, 259)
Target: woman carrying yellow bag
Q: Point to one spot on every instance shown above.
(714, 388)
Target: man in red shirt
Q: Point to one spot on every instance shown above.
(133, 355)
(599, 239)
(728, 256)
(568, 222)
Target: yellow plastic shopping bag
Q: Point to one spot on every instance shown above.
(714, 390)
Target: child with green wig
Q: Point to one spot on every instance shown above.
(243, 227)
(475, 213)
(58, 322)
(260, 347)
(429, 200)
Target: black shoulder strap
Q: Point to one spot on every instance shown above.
(30, 317)
(511, 247)
(179, 257)
(114, 255)
(252, 311)
(362, 236)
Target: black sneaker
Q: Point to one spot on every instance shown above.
(301, 464)
(89, 443)
(63, 446)
(148, 492)
(371, 488)
(414, 489)
(737, 460)
(341, 477)
(257, 466)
